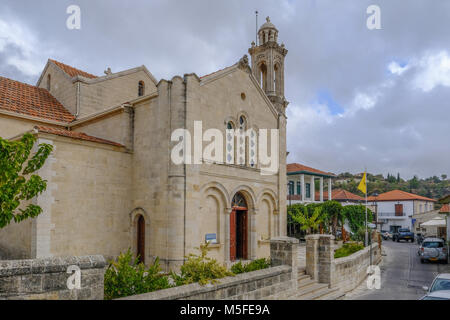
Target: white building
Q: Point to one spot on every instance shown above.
(302, 184)
(395, 209)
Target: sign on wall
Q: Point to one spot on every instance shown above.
(211, 238)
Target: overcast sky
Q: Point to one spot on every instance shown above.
(359, 98)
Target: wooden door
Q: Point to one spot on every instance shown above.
(398, 210)
(233, 235)
(141, 239)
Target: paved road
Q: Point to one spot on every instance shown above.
(402, 274)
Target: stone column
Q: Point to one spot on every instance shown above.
(302, 180)
(313, 189)
(319, 257)
(312, 255)
(253, 233)
(284, 251)
(329, 190)
(326, 257)
(227, 234)
(321, 189)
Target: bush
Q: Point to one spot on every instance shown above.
(126, 277)
(252, 266)
(348, 249)
(360, 235)
(201, 269)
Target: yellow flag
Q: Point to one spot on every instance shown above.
(362, 185)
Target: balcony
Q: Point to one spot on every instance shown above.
(391, 215)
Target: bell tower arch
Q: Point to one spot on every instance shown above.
(268, 64)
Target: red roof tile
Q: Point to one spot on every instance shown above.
(30, 100)
(75, 135)
(337, 194)
(71, 71)
(341, 195)
(295, 167)
(445, 208)
(398, 195)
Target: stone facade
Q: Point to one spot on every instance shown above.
(344, 273)
(46, 279)
(97, 192)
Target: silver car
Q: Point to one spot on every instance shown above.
(440, 284)
(433, 249)
(437, 295)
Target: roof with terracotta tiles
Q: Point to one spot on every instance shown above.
(337, 195)
(445, 208)
(343, 195)
(75, 135)
(29, 100)
(71, 71)
(398, 195)
(299, 168)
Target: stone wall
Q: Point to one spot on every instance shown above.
(46, 279)
(350, 271)
(276, 282)
(345, 273)
(247, 286)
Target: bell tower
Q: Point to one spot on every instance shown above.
(268, 64)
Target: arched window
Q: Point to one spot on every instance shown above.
(141, 239)
(239, 201)
(230, 144)
(49, 82)
(141, 90)
(276, 75)
(263, 76)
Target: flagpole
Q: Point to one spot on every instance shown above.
(366, 235)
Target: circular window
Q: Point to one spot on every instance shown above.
(230, 126)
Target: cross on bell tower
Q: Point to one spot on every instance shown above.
(268, 64)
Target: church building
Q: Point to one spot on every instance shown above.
(111, 181)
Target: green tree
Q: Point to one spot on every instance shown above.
(309, 222)
(356, 217)
(414, 183)
(17, 181)
(332, 214)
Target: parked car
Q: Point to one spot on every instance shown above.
(403, 234)
(437, 295)
(440, 283)
(433, 249)
(386, 234)
(420, 237)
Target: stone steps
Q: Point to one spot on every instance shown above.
(309, 289)
(320, 294)
(338, 295)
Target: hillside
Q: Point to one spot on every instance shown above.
(433, 187)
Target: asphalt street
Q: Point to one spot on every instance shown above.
(402, 274)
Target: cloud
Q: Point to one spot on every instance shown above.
(15, 35)
(397, 69)
(349, 88)
(434, 70)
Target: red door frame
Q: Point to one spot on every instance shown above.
(233, 233)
